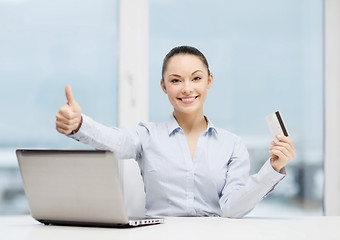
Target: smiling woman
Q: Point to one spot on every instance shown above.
(186, 82)
(189, 166)
(254, 49)
(265, 56)
(186, 79)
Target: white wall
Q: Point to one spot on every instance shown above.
(332, 107)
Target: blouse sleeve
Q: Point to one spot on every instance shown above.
(124, 142)
(242, 192)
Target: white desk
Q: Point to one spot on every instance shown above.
(302, 228)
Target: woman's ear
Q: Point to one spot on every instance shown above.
(210, 80)
(163, 87)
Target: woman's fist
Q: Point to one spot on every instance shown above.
(69, 118)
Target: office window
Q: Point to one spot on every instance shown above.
(265, 56)
(44, 46)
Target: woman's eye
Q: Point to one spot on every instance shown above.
(174, 80)
(197, 78)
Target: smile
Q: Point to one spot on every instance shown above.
(188, 100)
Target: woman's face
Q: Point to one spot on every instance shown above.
(186, 81)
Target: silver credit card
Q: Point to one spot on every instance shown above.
(276, 125)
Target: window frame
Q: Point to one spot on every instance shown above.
(332, 107)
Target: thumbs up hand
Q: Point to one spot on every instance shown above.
(69, 116)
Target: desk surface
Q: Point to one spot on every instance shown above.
(24, 227)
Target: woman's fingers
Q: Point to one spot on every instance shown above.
(282, 152)
(69, 116)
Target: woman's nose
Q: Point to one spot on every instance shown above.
(187, 87)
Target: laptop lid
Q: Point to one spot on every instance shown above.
(73, 187)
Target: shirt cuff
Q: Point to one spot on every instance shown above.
(82, 130)
(269, 176)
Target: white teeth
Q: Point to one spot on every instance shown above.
(187, 99)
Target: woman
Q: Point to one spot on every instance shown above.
(189, 166)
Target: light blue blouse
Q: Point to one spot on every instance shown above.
(215, 182)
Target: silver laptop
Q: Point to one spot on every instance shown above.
(75, 187)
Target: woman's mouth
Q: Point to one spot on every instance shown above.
(188, 100)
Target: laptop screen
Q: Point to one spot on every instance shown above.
(72, 186)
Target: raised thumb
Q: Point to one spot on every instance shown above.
(69, 97)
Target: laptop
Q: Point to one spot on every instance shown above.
(75, 187)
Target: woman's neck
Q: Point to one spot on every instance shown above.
(191, 123)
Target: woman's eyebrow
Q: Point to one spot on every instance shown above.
(177, 75)
(174, 74)
(197, 71)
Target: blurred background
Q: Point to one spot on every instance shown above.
(265, 56)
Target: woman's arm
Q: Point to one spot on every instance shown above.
(70, 121)
(124, 142)
(242, 192)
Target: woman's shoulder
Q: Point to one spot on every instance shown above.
(153, 127)
(227, 135)
(225, 131)
(221, 132)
